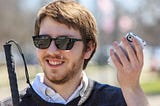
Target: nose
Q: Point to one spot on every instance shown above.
(52, 49)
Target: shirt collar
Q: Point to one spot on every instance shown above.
(50, 95)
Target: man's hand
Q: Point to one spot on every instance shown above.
(129, 65)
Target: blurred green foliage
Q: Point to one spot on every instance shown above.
(152, 87)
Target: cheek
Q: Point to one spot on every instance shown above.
(75, 53)
(78, 50)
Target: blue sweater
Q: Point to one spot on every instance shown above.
(100, 95)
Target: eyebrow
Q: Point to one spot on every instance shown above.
(69, 35)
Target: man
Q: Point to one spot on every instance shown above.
(66, 39)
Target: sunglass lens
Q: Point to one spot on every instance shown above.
(64, 43)
(42, 42)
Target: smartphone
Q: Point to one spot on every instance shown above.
(129, 36)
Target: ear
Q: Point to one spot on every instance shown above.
(90, 48)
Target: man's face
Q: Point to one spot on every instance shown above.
(60, 66)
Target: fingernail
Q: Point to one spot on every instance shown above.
(123, 39)
(111, 51)
(115, 44)
(134, 40)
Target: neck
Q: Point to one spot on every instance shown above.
(66, 89)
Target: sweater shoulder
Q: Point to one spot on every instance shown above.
(107, 89)
(107, 94)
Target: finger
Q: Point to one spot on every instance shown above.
(139, 51)
(121, 54)
(130, 51)
(115, 59)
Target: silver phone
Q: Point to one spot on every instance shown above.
(129, 36)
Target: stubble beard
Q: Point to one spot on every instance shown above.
(72, 72)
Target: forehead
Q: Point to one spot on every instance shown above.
(54, 28)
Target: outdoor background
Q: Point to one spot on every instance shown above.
(114, 19)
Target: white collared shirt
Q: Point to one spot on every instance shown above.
(50, 95)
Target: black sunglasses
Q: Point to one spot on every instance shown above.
(61, 42)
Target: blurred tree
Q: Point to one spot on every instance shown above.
(17, 21)
(17, 24)
(141, 17)
(149, 21)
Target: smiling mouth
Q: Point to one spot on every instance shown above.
(55, 62)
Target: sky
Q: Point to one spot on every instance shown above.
(29, 5)
(130, 5)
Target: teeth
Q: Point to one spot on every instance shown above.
(55, 63)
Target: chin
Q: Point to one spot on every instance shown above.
(57, 79)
